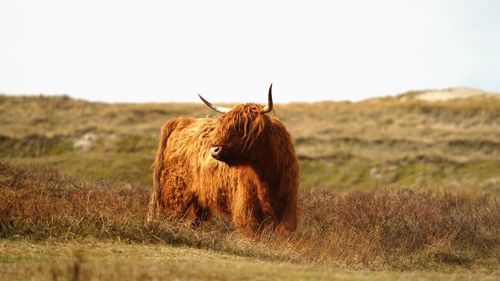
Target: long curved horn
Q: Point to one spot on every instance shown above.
(269, 106)
(219, 109)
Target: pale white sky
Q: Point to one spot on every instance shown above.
(138, 51)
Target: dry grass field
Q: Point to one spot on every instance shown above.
(391, 189)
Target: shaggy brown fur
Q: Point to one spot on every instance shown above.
(255, 184)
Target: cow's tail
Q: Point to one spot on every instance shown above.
(157, 167)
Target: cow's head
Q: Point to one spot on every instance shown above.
(240, 131)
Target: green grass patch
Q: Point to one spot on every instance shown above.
(131, 167)
(107, 260)
(34, 146)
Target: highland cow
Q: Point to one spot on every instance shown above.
(240, 165)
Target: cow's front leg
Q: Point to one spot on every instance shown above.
(247, 213)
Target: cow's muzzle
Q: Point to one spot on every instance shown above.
(216, 151)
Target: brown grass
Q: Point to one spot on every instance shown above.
(379, 230)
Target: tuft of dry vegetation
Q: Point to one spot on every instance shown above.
(378, 230)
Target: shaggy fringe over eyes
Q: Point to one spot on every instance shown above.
(245, 120)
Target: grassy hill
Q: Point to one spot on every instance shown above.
(391, 188)
(373, 144)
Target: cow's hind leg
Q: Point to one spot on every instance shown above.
(159, 169)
